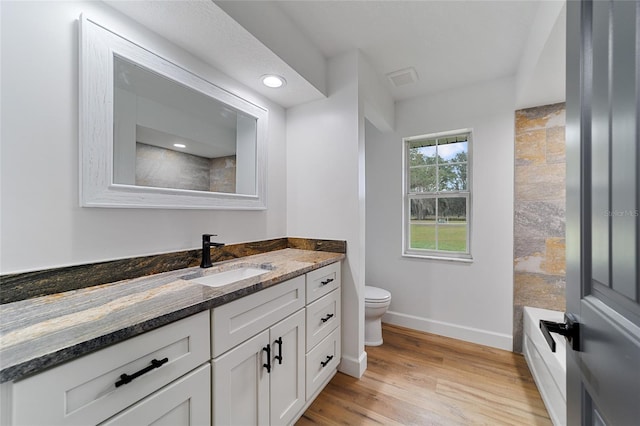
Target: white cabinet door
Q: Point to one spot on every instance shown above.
(184, 402)
(241, 384)
(287, 385)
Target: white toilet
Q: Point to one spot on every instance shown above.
(376, 303)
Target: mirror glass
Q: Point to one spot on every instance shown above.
(155, 133)
(168, 135)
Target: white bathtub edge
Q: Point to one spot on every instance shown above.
(548, 369)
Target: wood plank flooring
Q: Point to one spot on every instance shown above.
(417, 378)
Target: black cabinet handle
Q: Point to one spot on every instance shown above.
(324, 363)
(326, 282)
(279, 356)
(327, 318)
(125, 378)
(268, 364)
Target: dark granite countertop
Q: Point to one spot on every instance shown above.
(42, 332)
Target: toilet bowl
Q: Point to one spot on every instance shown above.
(376, 303)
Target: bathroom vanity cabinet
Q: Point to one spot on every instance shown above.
(291, 349)
(261, 380)
(93, 389)
(322, 327)
(260, 359)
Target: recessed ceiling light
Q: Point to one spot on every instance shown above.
(273, 81)
(179, 145)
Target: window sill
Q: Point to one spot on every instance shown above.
(444, 258)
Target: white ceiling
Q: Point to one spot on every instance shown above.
(448, 43)
(208, 33)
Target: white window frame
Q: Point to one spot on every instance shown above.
(408, 196)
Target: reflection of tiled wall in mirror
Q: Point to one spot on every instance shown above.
(222, 173)
(165, 168)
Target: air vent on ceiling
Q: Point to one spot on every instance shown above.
(403, 77)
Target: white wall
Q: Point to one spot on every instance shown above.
(323, 143)
(474, 301)
(326, 180)
(540, 78)
(41, 223)
(379, 106)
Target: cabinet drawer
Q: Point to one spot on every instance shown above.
(322, 361)
(323, 316)
(83, 391)
(237, 321)
(185, 402)
(322, 281)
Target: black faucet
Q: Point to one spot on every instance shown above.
(206, 252)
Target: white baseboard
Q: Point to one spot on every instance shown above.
(468, 334)
(353, 366)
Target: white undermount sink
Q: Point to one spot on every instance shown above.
(218, 279)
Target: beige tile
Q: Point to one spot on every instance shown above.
(540, 173)
(530, 147)
(554, 262)
(540, 291)
(531, 263)
(534, 192)
(540, 117)
(540, 182)
(555, 146)
(523, 123)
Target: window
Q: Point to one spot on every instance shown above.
(437, 195)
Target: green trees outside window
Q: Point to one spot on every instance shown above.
(437, 193)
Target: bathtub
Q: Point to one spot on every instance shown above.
(548, 368)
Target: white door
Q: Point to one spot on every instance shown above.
(185, 402)
(241, 384)
(287, 372)
(603, 243)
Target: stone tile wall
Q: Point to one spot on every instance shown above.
(166, 168)
(222, 174)
(539, 212)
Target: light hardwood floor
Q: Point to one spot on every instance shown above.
(417, 378)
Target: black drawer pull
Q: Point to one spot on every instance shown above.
(279, 356)
(125, 378)
(327, 318)
(267, 349)
(327, 281)
(324, 363)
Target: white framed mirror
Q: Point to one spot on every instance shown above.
(153, 134)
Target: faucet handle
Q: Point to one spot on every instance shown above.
(206, 237)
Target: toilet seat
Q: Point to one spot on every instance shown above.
(376, 295)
